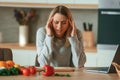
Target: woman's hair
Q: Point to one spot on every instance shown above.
(62, 10)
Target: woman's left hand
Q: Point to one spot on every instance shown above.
(73, 30)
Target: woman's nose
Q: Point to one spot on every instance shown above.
(59, 26)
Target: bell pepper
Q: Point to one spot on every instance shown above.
(48, 70)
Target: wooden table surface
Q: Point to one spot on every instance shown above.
(78, 74)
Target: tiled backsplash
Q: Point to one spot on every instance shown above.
(10, 28)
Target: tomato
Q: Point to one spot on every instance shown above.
(32, 69)
(21, 69)
(26, 72)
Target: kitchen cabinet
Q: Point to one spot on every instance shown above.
(76, 4)
(27, 57)
(102, 58)
(24, 57)
(86, 1)
(91, 59)
(31, 1)
(61, 1)
(56, 1)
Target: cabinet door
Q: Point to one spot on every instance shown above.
(61, 1)
(32, 1)
(90, 59)
(86, 1)
(24, 57)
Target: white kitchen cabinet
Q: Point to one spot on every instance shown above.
(75, 4)
(86, 1)
(90, 59)
(24, 57)
(31, 1)
(101, 58)
(27, 57)
(56, 1)
(61, 1)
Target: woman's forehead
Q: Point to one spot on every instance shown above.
(59, 16)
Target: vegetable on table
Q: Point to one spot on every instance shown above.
(10, 71)
(26, 71)
(32, 69)
(48, 70)
(62, 75)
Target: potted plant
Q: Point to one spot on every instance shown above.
(24, 18)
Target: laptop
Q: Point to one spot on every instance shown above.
(110, 68)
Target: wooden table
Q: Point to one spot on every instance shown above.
(78, 74)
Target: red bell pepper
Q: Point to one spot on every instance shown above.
(48, 70)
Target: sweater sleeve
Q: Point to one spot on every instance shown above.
(78, 55)
(44, 47)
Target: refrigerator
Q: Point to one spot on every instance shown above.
(108, 22)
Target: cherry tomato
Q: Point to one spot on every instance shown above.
(32, 69)
(26, 72)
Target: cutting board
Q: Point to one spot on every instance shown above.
(58, 69)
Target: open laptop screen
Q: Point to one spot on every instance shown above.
(114, 58)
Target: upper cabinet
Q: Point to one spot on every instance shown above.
(86, 1)
(90, 4)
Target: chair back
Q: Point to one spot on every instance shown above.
(6, 54)
(36, 62)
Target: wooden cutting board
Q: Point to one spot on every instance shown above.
(58, 69)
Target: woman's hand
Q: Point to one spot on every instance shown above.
(48, 27)
(71, 30)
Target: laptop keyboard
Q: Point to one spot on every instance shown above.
(97, 68)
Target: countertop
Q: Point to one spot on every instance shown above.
(78, 74)
(32, 46)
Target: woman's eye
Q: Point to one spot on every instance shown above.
(56, 22)
(63, 22)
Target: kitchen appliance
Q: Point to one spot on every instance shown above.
(109, 22)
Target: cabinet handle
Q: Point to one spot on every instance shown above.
(110, 12)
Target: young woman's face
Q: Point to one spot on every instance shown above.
(60, 24)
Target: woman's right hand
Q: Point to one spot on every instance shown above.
(48, 27)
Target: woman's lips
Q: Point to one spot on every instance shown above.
(58, 31)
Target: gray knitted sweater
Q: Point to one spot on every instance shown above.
(54, 52)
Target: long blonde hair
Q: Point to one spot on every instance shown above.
(62, 10)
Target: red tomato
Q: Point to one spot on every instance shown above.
(32, 69)
(26, 72)
(21, 69)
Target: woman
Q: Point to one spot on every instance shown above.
(59, 44)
